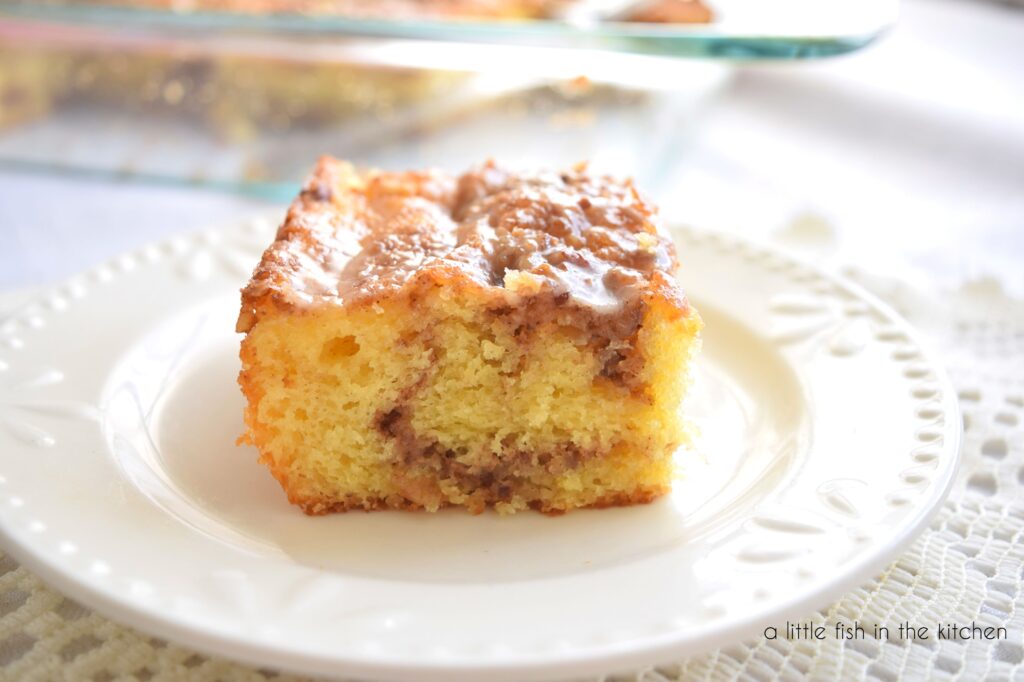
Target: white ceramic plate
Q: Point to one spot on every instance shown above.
(828, 439)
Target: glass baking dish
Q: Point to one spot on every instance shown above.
(247, 101)
(725, 29)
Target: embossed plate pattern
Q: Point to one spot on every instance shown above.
(827, 438)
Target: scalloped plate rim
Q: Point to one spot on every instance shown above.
(658, 649)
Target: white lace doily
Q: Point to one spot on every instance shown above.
(966, 567)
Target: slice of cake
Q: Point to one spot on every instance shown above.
(416, 340)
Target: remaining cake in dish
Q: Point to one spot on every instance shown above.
(670, 12)
(393, 9)
(416, 340)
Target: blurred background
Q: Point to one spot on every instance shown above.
(808, 122)
(888, 148)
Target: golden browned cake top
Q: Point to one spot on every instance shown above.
(354, 239)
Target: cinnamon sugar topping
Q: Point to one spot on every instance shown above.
(352, 238)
